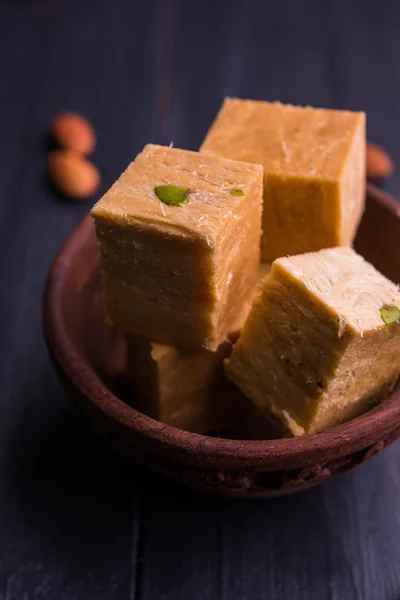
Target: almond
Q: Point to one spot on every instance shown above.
(73, 175)
(379, 163)
(74, 132)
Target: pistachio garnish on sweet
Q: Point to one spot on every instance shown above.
(390, 314)
(173, 195)
(236, 192)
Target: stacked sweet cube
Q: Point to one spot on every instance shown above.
(180, 235)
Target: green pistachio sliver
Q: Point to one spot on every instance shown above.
(390, 314)
(173, 195)
(236, 192)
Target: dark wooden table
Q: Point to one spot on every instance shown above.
(76, 522)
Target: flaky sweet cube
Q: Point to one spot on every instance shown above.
(322, 341)
(183, 388)
(314, 170)
(181, 274)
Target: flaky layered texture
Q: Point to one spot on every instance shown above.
(180, 275)
(315, 351)
(183, 388)
(314, 170)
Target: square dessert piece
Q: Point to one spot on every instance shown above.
(322, 341)
(179, 235)
(314, 170)
(183, 388)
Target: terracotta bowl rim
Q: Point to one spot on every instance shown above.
(84, 379)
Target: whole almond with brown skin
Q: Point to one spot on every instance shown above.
(74, 132)
(73, 175)
(379, 163)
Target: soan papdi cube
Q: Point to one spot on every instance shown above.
(183, 388)
(179, 235)
(314, 170)
(322, 341)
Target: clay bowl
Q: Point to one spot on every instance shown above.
(87, 356)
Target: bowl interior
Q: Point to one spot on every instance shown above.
(90, 351)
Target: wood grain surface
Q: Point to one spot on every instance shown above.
(77, 522)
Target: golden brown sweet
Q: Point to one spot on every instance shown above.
(180, 275)
(322, 342)
(183, 388)
(314, 170)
